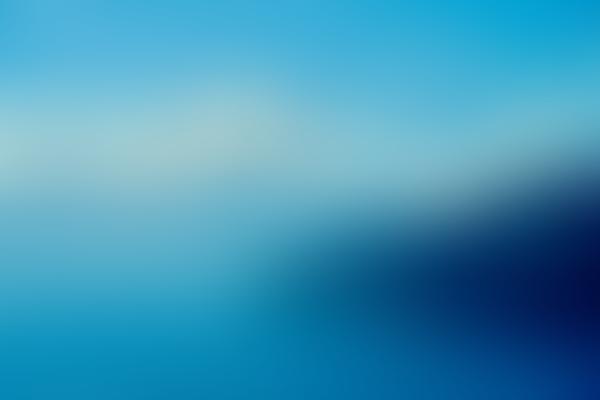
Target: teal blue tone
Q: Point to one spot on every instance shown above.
(130, 279)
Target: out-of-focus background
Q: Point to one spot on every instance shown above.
(299, 199)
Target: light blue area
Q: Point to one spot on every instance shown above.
(434, 54)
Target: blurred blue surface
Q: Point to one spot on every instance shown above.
(299, 200)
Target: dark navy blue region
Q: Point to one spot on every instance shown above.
(524, 281)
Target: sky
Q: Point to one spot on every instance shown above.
(347, 72)
(425, 53)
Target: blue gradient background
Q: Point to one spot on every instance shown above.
(299, 199)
